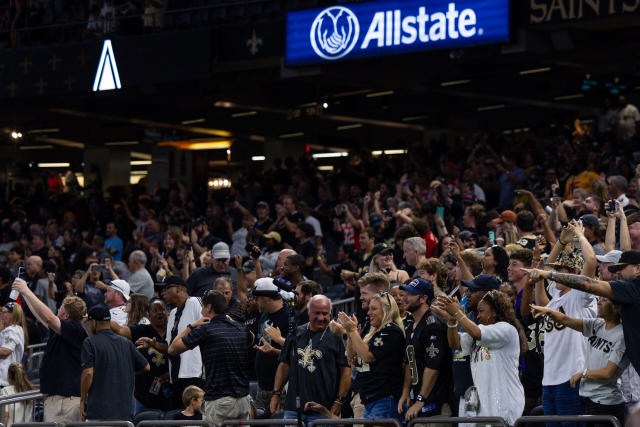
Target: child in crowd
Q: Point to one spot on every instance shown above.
(18, 382)
(192, 397)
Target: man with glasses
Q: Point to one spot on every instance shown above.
(185, 368)
(225, 347)
(427, 389)
(201, 280)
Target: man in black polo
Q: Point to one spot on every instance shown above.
(109, 365)
(224, 345)
(428, 384)
(201, 280)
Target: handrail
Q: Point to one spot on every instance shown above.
(113, 423)
(21, 397)
(365, 421)
(568, 418)
(175, 423)
(451, 420)
(35, 424)
(268, 422)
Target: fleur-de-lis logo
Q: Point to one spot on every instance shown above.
(306, 356)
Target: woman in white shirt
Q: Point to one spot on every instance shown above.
(494, 346)
(605, 358)
(13, 338)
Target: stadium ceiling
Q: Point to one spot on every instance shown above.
(548, 76)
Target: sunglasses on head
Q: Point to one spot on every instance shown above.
(383, 294)
(9, 306)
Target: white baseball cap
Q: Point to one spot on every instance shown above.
(611, 256)
(220, 251)
(121, 286)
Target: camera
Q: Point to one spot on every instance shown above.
(252, 250)
(612, 205)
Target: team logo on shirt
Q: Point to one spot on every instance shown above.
(306, 357)
(378, 342)
(600, 344)
(550, 325)
(156, 357)
(432, 351)
(481, 354)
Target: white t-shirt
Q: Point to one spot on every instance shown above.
(563, 347)
(118, 315)
(494, 367)
(190, 360)
(604, 346)
(42, 290)
(11, 337)
(313, 221)
(239, 241)
(629, 384)
(22, 410)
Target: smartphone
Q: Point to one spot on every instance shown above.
(453, 292)
(440, 212)
(20, 272)
(492, 237)
(612, 205)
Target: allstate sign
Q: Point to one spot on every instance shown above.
(388, 27)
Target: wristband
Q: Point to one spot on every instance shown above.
(552, 276)
(562, 243)
(455, 325)
(340, 400)
(240, 270)
(584, 374)
(420, 398)
(190, 327)
(277, 392)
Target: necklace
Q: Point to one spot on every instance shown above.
(321, 336)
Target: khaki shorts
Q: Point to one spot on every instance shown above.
(62, 409)
(227, 408)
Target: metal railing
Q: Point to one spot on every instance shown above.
(361, 421)
(7, 404)
(113, 423)
(347, 305)
(35, 424)
(261, 422)
(453, 420)
(568, 419)
(152, 423)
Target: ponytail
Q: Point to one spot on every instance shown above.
(18, 378)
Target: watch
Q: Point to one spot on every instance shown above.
(420, 398)
(584, 374)
(190, 327)
(341, 400)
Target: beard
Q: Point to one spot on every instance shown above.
(414, 306)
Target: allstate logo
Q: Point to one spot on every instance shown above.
(334, 32)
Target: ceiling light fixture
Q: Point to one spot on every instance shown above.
(455, 82)
(194, 121)
(491, 107)
(140, 162)
(535, 71)
(388, 152)
(198, 144)
(35, 147)
(54, 165)
(377, 94)
(291, 135)
(245, 114)
(330, 155)
(347, 127)
(258, 158)
(566, 97)
(50, 130)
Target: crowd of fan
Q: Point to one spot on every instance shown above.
(481, 267)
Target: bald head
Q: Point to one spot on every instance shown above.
(281, 257)
(319, 312)
(33, 265)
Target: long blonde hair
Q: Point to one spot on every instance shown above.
(17, 318)
(373, 267)
(391, 314)
(17, 376)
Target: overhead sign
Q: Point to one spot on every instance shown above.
(388, 27)
(107, 76)
(559, 11)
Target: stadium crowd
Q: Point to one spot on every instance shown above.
(492, 275)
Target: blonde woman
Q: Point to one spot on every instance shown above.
(20, 412)
(13, 338)
(382, 262)
(380, 374)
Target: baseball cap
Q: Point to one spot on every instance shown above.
(121, 286)
(506, 215)
(612, 256)
(380, 249)
(483, 282)
(590, 220)
(419, 286)
(273, 235)
(570, 260)
(220, 251)
(100, 313)
(466, 235)
(263, 204)
(173, 280)
(265, 287)
(627, 258)
(375, 220)
(469, 197)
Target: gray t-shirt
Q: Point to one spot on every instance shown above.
(603, 346)
(141, 283)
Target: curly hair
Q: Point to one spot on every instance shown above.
(501, 304)
(435, 266)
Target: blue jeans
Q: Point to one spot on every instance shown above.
(562, 399)
(386, 407)
(306, 418)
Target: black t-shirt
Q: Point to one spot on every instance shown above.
(147, 390)
(533, 364)
(114, 360)
(182, 417)
(302, 317)
(307, 250)
(321, 356)
(201, 280)
(252, 324)
(383, 377)
(627, 294)
(61, 367)
(267, 364)
(461, 366)
(427, 347)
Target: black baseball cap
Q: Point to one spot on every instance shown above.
(100, 313)
(419, 286)
(380, 249)
(590, 220)
(169, 281)
(484, 282)
(627, 258)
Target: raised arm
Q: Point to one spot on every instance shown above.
(37, 307)
(556, 316)
(590, 261)
(610, 236)
(355, 340)
(465, 273)
(574, 281)
(625, 239)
